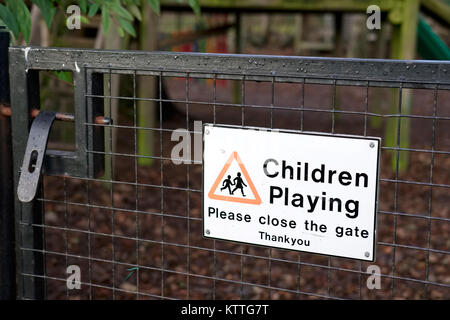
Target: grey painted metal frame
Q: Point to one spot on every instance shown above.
(88, 67)
(386, 73)
(25, 97)
(24, 74)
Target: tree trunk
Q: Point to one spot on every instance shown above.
(147, 85)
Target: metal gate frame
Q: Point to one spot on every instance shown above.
(25, 63)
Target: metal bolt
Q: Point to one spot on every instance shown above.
(206, 131)
(372, 144)
(207, 231)
(367, 254)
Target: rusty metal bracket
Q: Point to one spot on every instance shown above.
(34, 155)
(5, 111)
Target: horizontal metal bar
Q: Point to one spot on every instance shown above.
(389, 73)
(5, 111)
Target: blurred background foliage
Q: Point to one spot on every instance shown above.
(16, 16)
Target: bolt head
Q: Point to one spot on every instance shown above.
(372, 144)
(207, 231)
(367, 254)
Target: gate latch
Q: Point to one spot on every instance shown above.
(34, 155)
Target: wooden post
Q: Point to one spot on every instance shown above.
(298, 34)
(238, 49)
(112, 41)
(147, 110)
(404, 18)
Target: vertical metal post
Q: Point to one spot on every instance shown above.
(7, 225)
(30, 257)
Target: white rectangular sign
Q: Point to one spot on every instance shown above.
(300, 191)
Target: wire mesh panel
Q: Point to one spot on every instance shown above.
(134, 227)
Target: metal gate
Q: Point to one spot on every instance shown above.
(131, 220)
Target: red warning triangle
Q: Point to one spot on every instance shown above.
(212, 195)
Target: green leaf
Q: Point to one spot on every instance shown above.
(195, 5)
(120, 31)
(127, 26)
(155, 5)
(93, 10)
(9, 20)
(65, 76)
(105, 19)
(121, 12)
(22, 14)
(84, 20)
(47, 9)
(135, 11)
(83, 5)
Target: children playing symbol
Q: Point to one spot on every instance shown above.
(235, 180)
(238, 184)
(227, 183)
